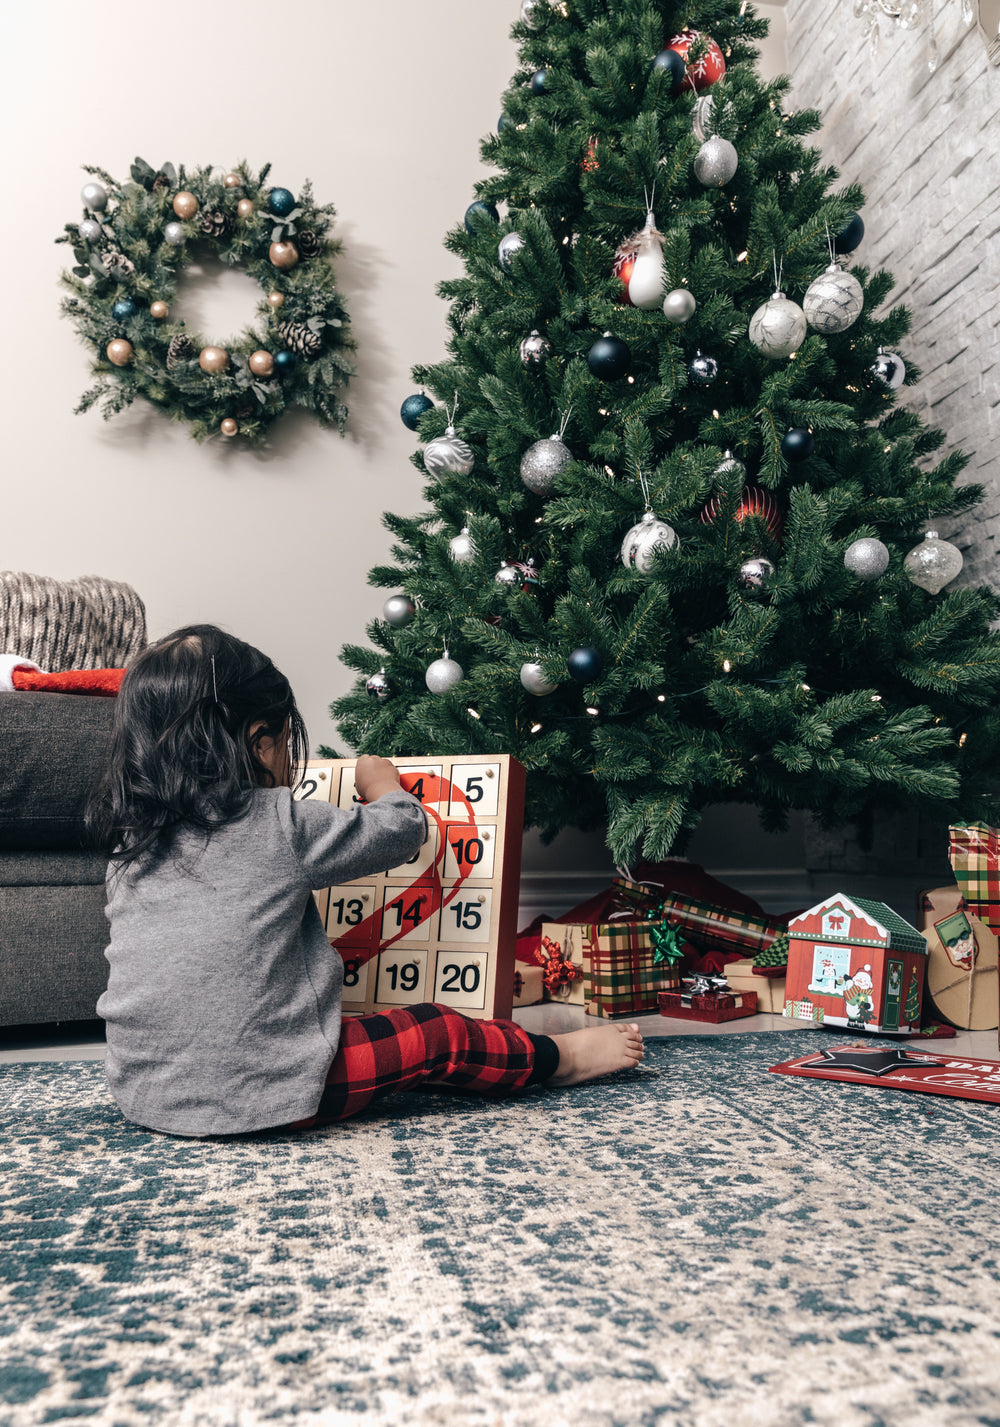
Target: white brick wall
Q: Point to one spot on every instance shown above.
(926, 149)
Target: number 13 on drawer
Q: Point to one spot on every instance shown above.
(442, 926)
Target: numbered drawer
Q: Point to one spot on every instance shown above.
(358, 968)
(475, 789)
(467, 917)
(318, 783)
(402, 976)
(351, 913)
(460, 980)
(406, 913)
(425, 782)
(470, 851)
(422, 865)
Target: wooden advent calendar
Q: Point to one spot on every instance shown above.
(442, 927)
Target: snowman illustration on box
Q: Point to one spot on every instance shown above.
(848, 960)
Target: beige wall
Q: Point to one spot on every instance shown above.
(382, 106)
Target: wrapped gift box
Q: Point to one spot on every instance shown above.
(769, 990)
(962, 960)
(618, 975)
(974, 853)
(714, 1006)
(528, 987)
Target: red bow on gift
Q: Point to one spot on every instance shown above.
(556, 970)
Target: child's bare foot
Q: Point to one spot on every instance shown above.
(586, 1055)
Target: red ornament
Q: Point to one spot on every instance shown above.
(625, 256)
(589, 163)
(703, 72)
(753, 501)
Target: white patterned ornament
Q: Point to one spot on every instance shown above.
(933, 563)
(462, 547)
(542, 462)
(833, 301)
(778, 327)
(443, 674)
(449, 454)
(645, 285)
(646, 540)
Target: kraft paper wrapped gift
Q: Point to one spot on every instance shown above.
(528, 987)
(770, 989)
(620, 973)
(961, 962)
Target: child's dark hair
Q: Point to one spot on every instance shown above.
(181, 750)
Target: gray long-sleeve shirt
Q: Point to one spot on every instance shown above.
(223, 1002)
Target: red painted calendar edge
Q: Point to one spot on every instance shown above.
(510, 884)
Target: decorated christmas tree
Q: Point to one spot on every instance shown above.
(673, 550)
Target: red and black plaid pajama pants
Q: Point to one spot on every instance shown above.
(411, 1046)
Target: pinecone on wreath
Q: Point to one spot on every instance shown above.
(307, 243)
(214, 223)
(181, 350)
(300, 339)
(116, 264)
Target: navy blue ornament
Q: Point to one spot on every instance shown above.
(850, 235)
(673, 65)
(703, 370)
(609, 358)
(413, 409)
(281, 201)
(585, 664)
(797, 444)
(285, 361)
(124, 308)
(477, 210)
(502, 123)
(538, 82)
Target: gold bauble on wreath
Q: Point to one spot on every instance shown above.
(232, 180)
(261, 363)
(283, 255)
(213, 359)
(275, 300)
(245, 207)
(119, 352)
(185, 204)
(228, 427)
(159, 310)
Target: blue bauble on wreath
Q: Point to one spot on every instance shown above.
(284, 361)
(413, 409)
(124, 308)
(478, 210)
(281, 201)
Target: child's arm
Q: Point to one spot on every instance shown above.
(336, 845)
(375, 776)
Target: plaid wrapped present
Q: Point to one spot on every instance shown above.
(621, 976)
(714, 927)
(974, 853)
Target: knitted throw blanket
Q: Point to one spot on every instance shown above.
(88, 623)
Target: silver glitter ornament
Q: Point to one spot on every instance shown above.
(443, 674)
(95, 197)
(754, 572)
(174, 234)
(378, 687)
(398, 611)
(701, 118)
(933, 563)
(509, 245)
(867, 558)
(542, 462)
(646, 540)
(535, 348)
(678, 306)
(89, 230)
(533, 679)
(462, 547)
(889, 369)
(833, 301)
(715, 162)
(778, 327)
(449, 454)
(729, 467)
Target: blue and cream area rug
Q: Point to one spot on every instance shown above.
(697, 1243)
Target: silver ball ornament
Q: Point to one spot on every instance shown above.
(449, 454)
(729, 468)
(509, 245)
(542, 462)
(462, 547)
(646, 540)
(174, 234)
(833, 301)
(889, 369)
(703, 370)
(715, 163)
(867, 558)
(95, 197)
(754, 572)
(534, 681)
(535, 348)
(378, 687)
(679, 306)
(398, 611)
(778, 327)
(89, 230)
(507, 574)
(443, 674)
(933, 563)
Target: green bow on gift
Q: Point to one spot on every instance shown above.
(668, 948)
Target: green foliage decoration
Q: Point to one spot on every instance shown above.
(131, 259)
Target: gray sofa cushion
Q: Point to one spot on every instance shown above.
(52, 940)
(53, 749)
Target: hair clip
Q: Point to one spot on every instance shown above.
(215, 687)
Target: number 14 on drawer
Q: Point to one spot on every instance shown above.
(442, 926)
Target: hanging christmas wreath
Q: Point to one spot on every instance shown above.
(132, 245)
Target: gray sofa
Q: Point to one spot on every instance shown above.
(53, 931)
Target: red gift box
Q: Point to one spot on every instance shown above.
(714, 1006)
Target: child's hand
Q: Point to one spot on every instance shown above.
(375, 776)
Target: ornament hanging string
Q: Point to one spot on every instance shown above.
(644, 487)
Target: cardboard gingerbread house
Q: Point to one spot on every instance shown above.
(854, 962)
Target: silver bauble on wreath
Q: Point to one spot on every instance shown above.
(462, 547)
(867, 558)
(933, 563)
(754, 572)
(679, 305)
(509, 245)
(542, 462)
(173, 233)
(398, 611)
(95, 197)
(833, 301)
(378, 687)
(646, 540)
(533, 679)
(449, 454)
(89, 230)
(778, 327)
(535, 348)
(729, 467)
(889, 369)
(443, 674)
(715, 162)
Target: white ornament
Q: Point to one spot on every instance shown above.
(867, 558)
(443, 674)
(933, 564)
(645, 286)
(449, 454)
(95, 197)
(89, 230)
(174, 234)
(542, 462)
(679, 305)
(645, 541)
(533, 679)
(833, 301)
(716, 162)
(509, 245)
(778, 327)
(462, 547)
